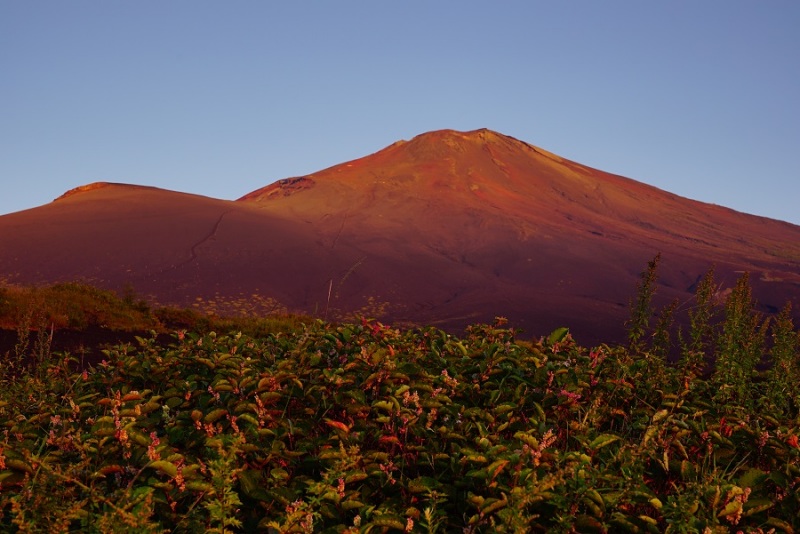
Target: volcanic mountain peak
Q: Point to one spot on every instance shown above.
(454, 144)
(454, 137)
(432, 163)
(448, 171)
(446, 228)
(483, 139)
(489, 180)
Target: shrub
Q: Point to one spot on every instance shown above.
(363, 427)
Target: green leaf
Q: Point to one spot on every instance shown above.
(558, 335)
(586, 523)
(505, 407)
(214, 415)
(780, 524)
(351, 505)
(731, 508)
(602, 440)
(754, 506)
(388, 521)
(279, 473)
(422, 484)
(383, 405)
(490, 506)
(752, 478)
(199, 485)
(165, 467)
(659, 415)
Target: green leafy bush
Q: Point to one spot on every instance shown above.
(298, 426)
(365, 428)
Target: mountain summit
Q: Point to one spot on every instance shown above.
(448, 228)
(500, 181)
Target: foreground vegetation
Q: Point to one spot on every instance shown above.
(365, 428)
(78, 306)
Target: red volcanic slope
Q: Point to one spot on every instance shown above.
(449, 228)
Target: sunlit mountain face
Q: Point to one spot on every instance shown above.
(449, 228)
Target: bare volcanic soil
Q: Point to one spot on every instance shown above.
(449, 228)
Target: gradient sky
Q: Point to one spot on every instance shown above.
(220, 98)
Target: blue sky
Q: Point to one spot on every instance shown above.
(221, 98)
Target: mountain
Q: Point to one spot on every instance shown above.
(449, 228)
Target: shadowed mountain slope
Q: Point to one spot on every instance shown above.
(448, 228)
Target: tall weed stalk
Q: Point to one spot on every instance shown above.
(641, 308)
(739, 347)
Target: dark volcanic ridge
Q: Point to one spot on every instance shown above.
(449, 228)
